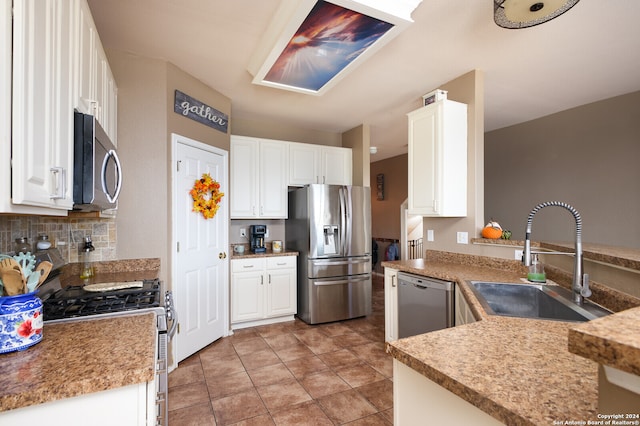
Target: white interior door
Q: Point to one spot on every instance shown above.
(200, 265)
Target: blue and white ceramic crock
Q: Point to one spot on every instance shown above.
(20, 322)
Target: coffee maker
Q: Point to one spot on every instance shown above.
(257, 234)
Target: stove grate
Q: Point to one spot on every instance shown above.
(73, 301)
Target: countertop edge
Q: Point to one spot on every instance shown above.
(592, 340)
(269, 253)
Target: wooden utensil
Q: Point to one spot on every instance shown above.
(13, 282)
(11, 275)
(44, 268)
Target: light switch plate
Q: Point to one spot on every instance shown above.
(429, 234)
(463, 238)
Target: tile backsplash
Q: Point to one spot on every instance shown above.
(67, 234)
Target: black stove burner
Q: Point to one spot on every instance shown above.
(74, 301)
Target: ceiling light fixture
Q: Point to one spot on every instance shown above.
(311, 44)
(528, 13)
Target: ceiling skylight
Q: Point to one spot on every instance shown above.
(312, 44)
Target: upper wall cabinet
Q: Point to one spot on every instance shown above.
(51, 62)
(42, 111)
(258, 178)
(95, 90)
(438, 160)
(310, 163)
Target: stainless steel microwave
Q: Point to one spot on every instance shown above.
(97, 174)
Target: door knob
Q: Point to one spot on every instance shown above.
(222, 255)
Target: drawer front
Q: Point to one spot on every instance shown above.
(248, 265)
(281, 262)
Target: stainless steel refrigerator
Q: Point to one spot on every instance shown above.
(330, 226)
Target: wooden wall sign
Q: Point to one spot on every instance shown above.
(200, 112)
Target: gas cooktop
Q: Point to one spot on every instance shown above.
(74, 301)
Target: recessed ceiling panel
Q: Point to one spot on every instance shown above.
(321, 41)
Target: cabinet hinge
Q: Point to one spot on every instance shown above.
(178, 165)
(178, 246)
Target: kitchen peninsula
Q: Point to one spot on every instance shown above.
(495, 370)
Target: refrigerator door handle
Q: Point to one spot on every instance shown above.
(343, 222)
(342, 281)
(349, 221)
(350, 261)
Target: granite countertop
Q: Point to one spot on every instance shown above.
(248, 255)
(80, 357)
(112, 271)
(518, 370)
(84, 356)
(609, 341)
(619, 256)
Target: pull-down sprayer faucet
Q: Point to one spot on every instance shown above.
(580, 285)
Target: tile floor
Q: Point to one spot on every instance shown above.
(289, 373)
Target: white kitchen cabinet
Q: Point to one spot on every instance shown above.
(247, 289)
(464, 315)
(263, 290)
(42, 110)
(281, 286)
(438, 160)
(258, 187)
(416, 398)
(310, 163)
(390, 304)
(135, 406)
(95, 88)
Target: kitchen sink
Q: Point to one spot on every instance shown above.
(550, 302)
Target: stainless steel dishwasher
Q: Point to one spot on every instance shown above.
(424, 304)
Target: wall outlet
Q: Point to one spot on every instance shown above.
(429, 234)
(243, 232)
(463, 238)
(518, 254)
(266, 233)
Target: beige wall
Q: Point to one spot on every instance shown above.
(274, 130)
(385, 214)
(358, 139)
(145, 122)
(142, 220)
(586, 156)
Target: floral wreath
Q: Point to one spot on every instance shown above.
(202, 187)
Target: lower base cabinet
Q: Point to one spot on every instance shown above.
(419, 401)
(263, 290)
(132, 405)
(464, 315)
(390, 304)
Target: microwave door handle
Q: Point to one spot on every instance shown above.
(112, 154)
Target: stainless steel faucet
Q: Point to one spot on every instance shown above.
(580, 285)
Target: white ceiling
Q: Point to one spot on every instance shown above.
(592, 52)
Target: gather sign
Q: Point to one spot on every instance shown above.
(200, 112)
